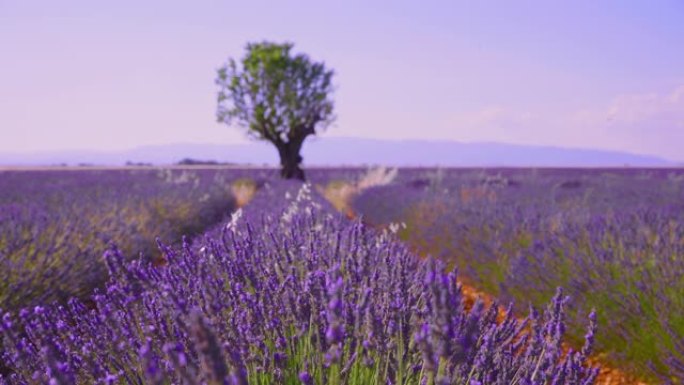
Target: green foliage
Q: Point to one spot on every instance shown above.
(277, 95)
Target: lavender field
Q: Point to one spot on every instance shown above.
(613, 238)
(156, 276)
(284, 290)
(55, 225)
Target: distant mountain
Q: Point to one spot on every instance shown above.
(449, 153)
(355, 151)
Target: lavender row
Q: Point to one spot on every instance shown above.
(289, 293)
(612, 238)
(55, 225)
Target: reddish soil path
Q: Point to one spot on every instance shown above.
(340, 197)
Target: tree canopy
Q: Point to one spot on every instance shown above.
(277, 96)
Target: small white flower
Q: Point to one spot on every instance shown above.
(234, 217)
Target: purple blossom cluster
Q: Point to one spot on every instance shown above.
(288, 293)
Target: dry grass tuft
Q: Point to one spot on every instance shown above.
(243, 191)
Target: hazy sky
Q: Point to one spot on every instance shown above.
(118, 74)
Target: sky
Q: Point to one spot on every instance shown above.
(121, 74)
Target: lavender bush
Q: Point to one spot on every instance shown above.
(288, 293)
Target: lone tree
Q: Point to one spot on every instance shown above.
(277, 96)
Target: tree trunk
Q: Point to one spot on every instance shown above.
(290, 160)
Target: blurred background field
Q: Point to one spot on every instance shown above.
(613, 238)
(55, 225)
